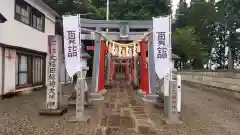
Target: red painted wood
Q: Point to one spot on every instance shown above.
(144, 68)
(101, 67)
(92, 48)
(141, 67)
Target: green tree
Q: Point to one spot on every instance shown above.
(188, 46)
(138, 9)
(119, 9)
(228, 13)
(181, 15)
(203, 21)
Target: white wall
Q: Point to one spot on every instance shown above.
(18, 34)
(10, 77)
(9, 73)
(15, 33)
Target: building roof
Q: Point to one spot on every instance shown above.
(2, 18)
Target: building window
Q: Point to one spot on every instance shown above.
(37, 20)
(22, 13)
(37, 70)
(22, 70)
(29, 15)
(29, 70)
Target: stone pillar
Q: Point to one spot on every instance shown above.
(171, 114)
(95, 72)
(53, 106)
(80, 88)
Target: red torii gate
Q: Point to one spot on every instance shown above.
(144, 78)
(101, 78)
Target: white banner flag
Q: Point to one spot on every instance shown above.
(71, 44)
(161, 43)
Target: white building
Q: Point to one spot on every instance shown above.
(24, 44)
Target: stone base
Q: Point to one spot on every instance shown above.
(176, 121)
(53, 112)
(103, 92)
(141, 93)
(73, 103)
(96, 96)
(159, 102)
(82, 119)
(172, 119)
(160, 95)
(149, 98)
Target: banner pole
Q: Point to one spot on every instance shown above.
(169, 77)
(80, 85)
(170, 45)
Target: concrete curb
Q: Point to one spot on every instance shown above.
(226, 93)
(25, 91)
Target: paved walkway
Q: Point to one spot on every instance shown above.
(124, 114)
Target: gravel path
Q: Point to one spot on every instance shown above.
(210, 113)
(19, 116)
(203, 112)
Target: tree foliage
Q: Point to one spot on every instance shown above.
(215, 23)
(204, 32)
(189, 47)
(119, 9)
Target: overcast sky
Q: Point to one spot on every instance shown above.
(175, 4)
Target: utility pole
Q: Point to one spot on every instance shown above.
(108, 64)
(107, 11)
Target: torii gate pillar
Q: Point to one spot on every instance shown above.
(144, 82)
(98, 69)
(101, 78)
(152, 78)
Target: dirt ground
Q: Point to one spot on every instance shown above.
(121, 113)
